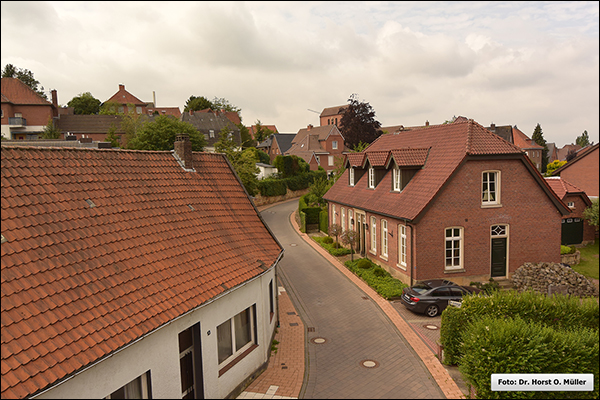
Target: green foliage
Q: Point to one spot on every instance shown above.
(333, 248)
(328, 240)
(583, 140)
(358, 123)
(197, 103)
(567, 249)
(558, 312)
(312, 214)
(112, 137)
(538, 137)
(25, 76)
(588, 266)
(274, 344)
(377, 278)
(261, 133)
(553, 166)
(591, 213)
(247, 140)
(220, 103)
(51, 131)
(335, 230)
(85, 104)
(109, 108)
(493, 346)
(290, 165)
(263, 157)
(226, 144)
(319, 187)
(245, 167)
(487, 287)
(360, 146)
(160, 134)
(324, 221)
(350, 238)
(272, 187)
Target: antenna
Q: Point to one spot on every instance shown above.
(313, 111)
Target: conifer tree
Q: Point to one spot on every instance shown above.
(538, 137)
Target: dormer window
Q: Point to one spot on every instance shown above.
(351, 175)
(334, 145)
(371, 178)
(396, 178)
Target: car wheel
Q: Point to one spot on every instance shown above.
(432, 310)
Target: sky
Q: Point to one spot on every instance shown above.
(282, 63)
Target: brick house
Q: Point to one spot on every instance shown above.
(25, 113)
(513, 135)
(450, 201)
(574, 229)
(123, 99)
(332, 115)
(132, 274)
(582, 171)
(318, 146)
(210, 123)
(276, 144)
(92, 126)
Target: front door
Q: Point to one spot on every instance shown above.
(190, 363)
(498, 257)
(361, 220)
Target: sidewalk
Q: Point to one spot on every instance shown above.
(284, 375)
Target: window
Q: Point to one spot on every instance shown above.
(333, 218)
(334, 145)
(211, 133)
(402, 245)
(490, 188)
(454, 248)
(343, 219)
(371, 178)
(330, 160)
(396, 179)
(271, 300)
(138, 110)
(351, 175)
(350, 220)
(139, 388)
(373, 234)
(571, 204)
(384, 238)
(235, 335)
(121, 109)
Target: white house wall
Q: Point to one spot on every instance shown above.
(159, 351)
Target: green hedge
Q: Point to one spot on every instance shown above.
(377, 278)
(278, 186)
(331, 247)
(324, 221)
(302, 222)
(312, 214)
(302, 203)
(559, 312)
(272, 187)
(499, 346)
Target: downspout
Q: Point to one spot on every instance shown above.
(412, 252)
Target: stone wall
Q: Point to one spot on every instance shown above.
(552, 278)
(290, 194)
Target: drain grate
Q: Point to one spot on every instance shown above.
(291, 313)
(293, 324)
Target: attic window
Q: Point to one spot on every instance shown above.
(90, 203)
(191, 207)
(3, 239)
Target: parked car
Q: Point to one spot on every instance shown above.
(431, 297)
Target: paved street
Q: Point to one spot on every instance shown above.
(353, 349)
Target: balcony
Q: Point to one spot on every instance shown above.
(17, 122)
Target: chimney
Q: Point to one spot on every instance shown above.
(309, 127)
(121, 87)
(191, 112)
(493, 126)
(183, 150)
(427, 123)
(154, 98)
(54, 103)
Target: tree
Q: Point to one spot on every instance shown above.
(583, 140)
(553, 166)
(538, 137)
(591, 213)
(160, 134)
(226, 144)
(360, 146)
(197, 103)
(262, 133)
(112, 137)
(350, 238)
(571, 154)
(220, 103)
(291, 165)
(247, 140)
(109, 108)
(51, 131)
(25, 76)
(85, 104)
(316, 192)
(358, 123)
(246, 169)
(336, 230)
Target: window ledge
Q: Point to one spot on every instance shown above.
(384, 258)
(402, 267)
(454, 271)
(237, 359)
(373, 252)
(491, 205)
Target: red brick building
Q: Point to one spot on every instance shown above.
(318, 146)
(582, 171)
(123, 100)
(450, 201)
(332, 115)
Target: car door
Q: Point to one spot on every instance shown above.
(440, 297)
(457, 293)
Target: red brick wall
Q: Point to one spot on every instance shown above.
(584, 174)
(35, 115)
(534, 223)
(589, 231)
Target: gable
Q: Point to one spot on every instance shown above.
(105, 246)
(16, 92)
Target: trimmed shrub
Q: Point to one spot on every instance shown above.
(567, 249)
(559, 312)
(312, 214)
(302, 222)
(328, 240)
(363, 263)
(380, 272)
(494, 346)
(384, 284)
(324, 221)
(272, 187)
(334, 251)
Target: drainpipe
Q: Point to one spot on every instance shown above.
(412, 253)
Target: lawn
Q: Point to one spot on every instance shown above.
(589, 261)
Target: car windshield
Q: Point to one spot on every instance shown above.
(421, 288)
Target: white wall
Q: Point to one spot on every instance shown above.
(159, 351)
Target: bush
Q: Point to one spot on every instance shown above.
(559, 312)
(272, 187)
(567, 249)
(331, 248)
(324, 221)
(489, 288)
(363, 263)
(382, 282)
(516, 346)
(328, 240)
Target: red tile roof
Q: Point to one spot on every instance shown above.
(333, 110)
(104, 246)
(410, 157)
(562, 187)
(16, 92)
(124, 97)
(448, 145)
(523, 141)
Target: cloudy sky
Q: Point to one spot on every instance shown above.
(508, 63)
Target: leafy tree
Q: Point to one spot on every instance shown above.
(571, 154)
(131, 125)
(336, 230)
(360, 146)
(25, 76)
(358, 123)
(262, 156)
(538, 137)
(262, 133)
(109, 108)
(350, 238)
(112, 137)
(197, 103)
(220, 103)
(160, 134)
(316, 192)
(226, 144)
(246, 169)
(51, 131)
(591, 213)
(583, 140)
(291, 165)
(553, 166)
(85, 104)
(247, 140)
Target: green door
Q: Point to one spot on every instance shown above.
(498, 257)
(572, 231)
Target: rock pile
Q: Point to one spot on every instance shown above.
(551, 278)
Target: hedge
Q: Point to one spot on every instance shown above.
(331, 247)
(324, 222)
(559, 312)
(516, 346)
(272, 187)
(377, 278)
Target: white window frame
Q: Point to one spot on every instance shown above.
(211, 133)
(351, 175)
(138, 109)
(350, 220)
(129, 390)
(334, 145)
(453, 248)
(396, 180)
(333, 218)
(343, 219)
(402, 246)
(330, 161)
(236, 351)
(371, 178)
(486, 193)
(384, 238)
(373, 234)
